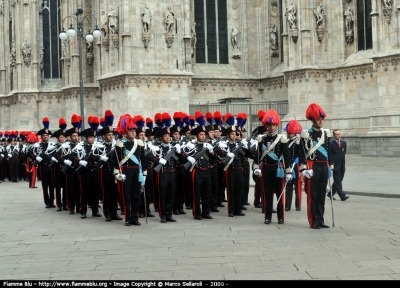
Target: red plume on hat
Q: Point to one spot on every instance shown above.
(125, 123)
(149, 123)
(261, 114)
(109, 117)
(62, 124)
(94, 122)
(314, 111)
(46, 123)
(239, 119)
(210, 118)
(200, 118)
(177, 118)
(75, 120)
(229, 119)
(166, 119)
(271, 116)
(218, 117)
(293, 127)
(158, 120)
(139, 121)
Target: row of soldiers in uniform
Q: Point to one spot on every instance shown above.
(182, 164)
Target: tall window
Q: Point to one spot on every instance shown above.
(51, 42)
(211, 31)
(364, 24)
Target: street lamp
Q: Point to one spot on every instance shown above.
(79, 18)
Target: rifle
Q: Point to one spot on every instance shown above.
(170, 154)
(228, 160)
(65, 169)
(108, 155)
(197, 156)
(80, 166)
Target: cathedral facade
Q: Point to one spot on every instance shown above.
(169, 55)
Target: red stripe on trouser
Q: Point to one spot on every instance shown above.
(159, 194)
(55, 187)
(227, 189)
(309, 196)
(33, 181)
(81, 192)
(194, 194)
(102, 190)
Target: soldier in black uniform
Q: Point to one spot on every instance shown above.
(72, 179)
(315, 165)
(166, 176)
(44, 171)
(187, 183)
(13, 158)
(21, 157)
(213, 167)
(201, 177)
(109, 189)
(88, 173)
(30, 169)
(129, 165)
(2, 156)
(260, 130)
(272, 149)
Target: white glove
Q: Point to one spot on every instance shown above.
(54, 159)
(190, 145)
(257, 172)
(162, 161)
(289, 177)
(65, 145)
(222, 144)
(245, 145)
(36, 145)
(259, 138)
(99, 145)
(307, 173)
(209, 147)
(83, 163)
(191, 159)
(68, 162)
(231, 155)
(123, 176)
(120, 177)
(2, 155)
(9, 155)
(155, 148)
(178, 148)
(252, 141)
(39, 159)
(104, 158)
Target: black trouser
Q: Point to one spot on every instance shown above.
(1, 168)
(14, 162)
(257, 190)
(221, 184)
(147, 191)
(73, 189)
(234, 182)
(6, 169)
(59, 183)
(181, 188)
(90, 190)
(46, 176)
(272, 185)
(131, 193)
(155, 190)
(317, 189)
(296, 183)
(109, 190)
(246, 182)
(167, 184)
(201, 188)
(214, 187)
(21, 169)
(338, 175)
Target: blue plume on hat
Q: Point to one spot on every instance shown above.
(166, 119)
(192, 121)
(229, 119)
(200, 118)
(109, 117)
(46, 123)
(103, 122)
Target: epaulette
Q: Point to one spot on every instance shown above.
(284, 138)
(140, 142)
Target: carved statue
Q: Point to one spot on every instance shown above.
(65, 47)
(104, 24)
(41, 55)
(26, 52)
(89, 47)
(113, 20)
(235, 32)
(319, 14)
(387, 3)
(169, 20)
(291, 15)
(13, 54)
(349, 19)
(274, 9)
(273, 37)
(147, 17)
(194, 37)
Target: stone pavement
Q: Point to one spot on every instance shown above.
(40, 243)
